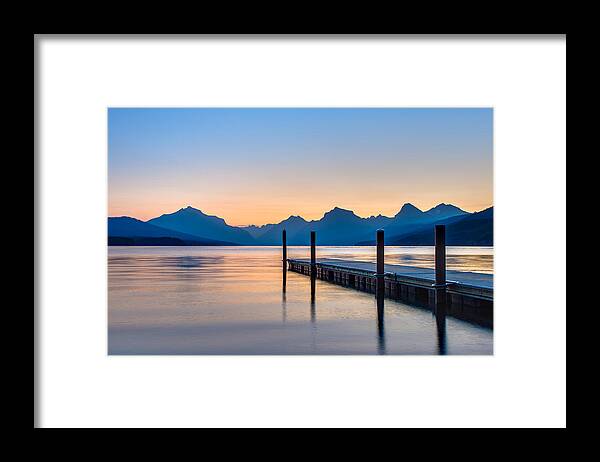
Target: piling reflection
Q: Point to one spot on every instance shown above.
(283, 306)
(441, 334)
(313, 312)
(313, 284)
(380, 326)
(283, 288)
(284, 276)
(440, 319)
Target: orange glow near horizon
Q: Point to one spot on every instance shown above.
(259, 211)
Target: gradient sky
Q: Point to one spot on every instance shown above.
(257, 166)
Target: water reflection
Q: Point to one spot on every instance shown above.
(231, 300)
(184, 267)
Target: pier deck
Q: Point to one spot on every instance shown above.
(470, 294)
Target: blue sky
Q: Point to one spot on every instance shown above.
(262, 165)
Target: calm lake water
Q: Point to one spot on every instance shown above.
(229, 300)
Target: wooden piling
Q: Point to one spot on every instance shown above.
(284, 257)
(313, 250)
(284, 244)
(440, 271)
(380, 256)
(380, 263)
(440, 254)
(380, 288)
(313, 265)
(441, 295)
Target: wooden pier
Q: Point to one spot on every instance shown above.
(464, 295)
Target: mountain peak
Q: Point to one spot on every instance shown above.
(445, 209)
(338, 211)
(293, 218)
(340, 215)
(409, 210)
(189, 208)
(190, 220)
(443, 205)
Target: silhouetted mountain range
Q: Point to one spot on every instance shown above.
(131, 231)
(473, 229)
(192, 221)
(410, 226)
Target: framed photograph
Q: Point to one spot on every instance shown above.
(249, 231)
(413, 235)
